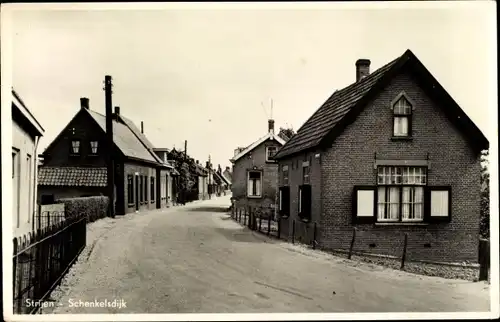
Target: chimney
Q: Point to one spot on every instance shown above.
(197, 161)
(117, 110)
(362, 69)
(84, 103)
(142, 127)
(219, 169)
(227, 168)
(271, 125)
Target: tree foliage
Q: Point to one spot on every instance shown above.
(286, 133)
(485, 195)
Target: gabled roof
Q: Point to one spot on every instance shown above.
(20, 110)
(268, 136)
(144, 140)
(223, 177)
(124, 138)
(227, 177)
(72, 176)
(217, 178)
(344, 105)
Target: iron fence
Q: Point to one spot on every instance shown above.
(41, 259)
(260, 219)
(48, 218)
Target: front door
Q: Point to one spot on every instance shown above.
(137, 193)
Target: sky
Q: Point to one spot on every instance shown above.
(207, 75)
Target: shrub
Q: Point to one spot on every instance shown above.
(92, 207)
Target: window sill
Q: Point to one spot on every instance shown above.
(402, 138)
(399, 223)
(93, 155)
(255, 197)
(74, 155)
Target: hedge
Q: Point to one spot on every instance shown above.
(92, 207)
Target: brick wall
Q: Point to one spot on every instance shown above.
(350, 162)
(304, 232)
(131, 169)
(269, 177)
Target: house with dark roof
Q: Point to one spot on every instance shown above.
(391, 154)
(26, 134)
(228, 176)
(255, 173)
(75, 163)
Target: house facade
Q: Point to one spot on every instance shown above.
(255, 173)
(26, 134)
(75, 163)
(391, 154)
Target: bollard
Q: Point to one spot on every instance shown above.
(403, 258)
(352, 242)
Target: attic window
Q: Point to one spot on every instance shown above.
(93, 147)
(402, 112)
(75, 147)
(270, 152)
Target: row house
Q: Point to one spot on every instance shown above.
(391, 154)
(26, 135)
(75, 163)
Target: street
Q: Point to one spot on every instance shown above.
(196, 259)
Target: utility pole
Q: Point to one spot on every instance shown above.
(185, 149)
(109, 136)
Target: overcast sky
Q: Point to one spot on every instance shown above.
(207, 76)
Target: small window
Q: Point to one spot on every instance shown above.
(270, 152)
(254, 184)
(402, 118)
(439, 209)
(93, 147)
(130, 189)
(305, 202)
(75, 147)
(285, 175)
(306, 171)
(152, 181)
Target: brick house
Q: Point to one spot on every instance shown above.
(255, 173)
(390, 154)
(75, 163)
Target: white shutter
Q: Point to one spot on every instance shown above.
(439, 203)
(365, 202)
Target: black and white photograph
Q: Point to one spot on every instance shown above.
(249, 161)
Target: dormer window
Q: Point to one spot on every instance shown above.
(93, 147)
(75, 147)
(402, 112)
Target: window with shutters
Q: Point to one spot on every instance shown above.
(254, 184)
(93, 147)
(402, 116)
(305, 198)
(401, 193)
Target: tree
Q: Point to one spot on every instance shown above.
(286, 133)
(485, 195)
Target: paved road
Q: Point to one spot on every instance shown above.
(195, 259)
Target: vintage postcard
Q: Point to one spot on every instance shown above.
(249, 161)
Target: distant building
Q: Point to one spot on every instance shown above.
(26, 134)
(255, 172)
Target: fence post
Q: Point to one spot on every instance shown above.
(403, 258)
(314, 237)
(268, 225)
(293, 232)
(279, 227)
(352, 242)
(260, 223)
(484, 257)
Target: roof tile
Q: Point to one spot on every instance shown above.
(72, 176)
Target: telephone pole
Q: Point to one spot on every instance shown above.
(109, 136)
